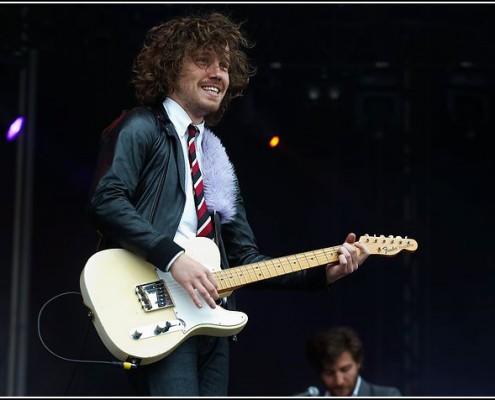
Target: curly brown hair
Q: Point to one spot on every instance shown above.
(158, 64)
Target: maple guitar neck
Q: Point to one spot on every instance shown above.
(234, 278)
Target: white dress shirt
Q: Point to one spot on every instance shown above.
(189, 220)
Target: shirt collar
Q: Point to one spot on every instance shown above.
(358, 385)
(179, 117)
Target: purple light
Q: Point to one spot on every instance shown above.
(15, 128)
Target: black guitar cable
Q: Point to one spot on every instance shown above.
(124, 365)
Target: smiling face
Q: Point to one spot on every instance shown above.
(202, 84)
(340, 377)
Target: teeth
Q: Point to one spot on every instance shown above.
(211, 89)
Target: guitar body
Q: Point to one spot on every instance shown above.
(142, 313)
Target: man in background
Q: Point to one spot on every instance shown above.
(337, 356)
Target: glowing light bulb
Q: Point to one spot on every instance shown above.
(274, 141)
(15, 128)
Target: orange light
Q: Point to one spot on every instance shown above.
(274, 141)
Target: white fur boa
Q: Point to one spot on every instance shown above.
(219, 181)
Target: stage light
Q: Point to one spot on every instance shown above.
(15, 128)
(274, 141)
(334, 93)
(313, 93)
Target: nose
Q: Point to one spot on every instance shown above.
(215, 71)
(339, 378)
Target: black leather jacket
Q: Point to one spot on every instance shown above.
(138, 198)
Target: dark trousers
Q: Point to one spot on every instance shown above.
(198, 367)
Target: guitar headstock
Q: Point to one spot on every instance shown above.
(388, 246)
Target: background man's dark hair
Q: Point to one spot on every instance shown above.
(326, 346)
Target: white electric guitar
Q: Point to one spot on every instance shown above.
(142, 314)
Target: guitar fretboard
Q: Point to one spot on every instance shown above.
(233, 278)
(236, 277)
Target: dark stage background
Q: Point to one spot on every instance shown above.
(385, 113)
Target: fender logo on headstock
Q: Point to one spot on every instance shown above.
(388, 245)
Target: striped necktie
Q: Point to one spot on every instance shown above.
(205, 224)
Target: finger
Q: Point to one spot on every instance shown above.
(348, 261)
(343, 262)
(362, 254)
(348, 251)
(206, 295)
(354, 254)
(211, 283)
(211, 302)
(351, 238)
(365, 252)
(193, 294)
(343, 255)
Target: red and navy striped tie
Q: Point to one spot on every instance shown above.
(205, 224)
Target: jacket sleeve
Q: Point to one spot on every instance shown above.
(241, 249)
(124, 149)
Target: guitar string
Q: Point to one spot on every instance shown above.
(293, 262)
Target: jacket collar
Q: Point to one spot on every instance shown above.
(160, 113)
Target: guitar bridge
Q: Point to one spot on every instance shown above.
(153, 296)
